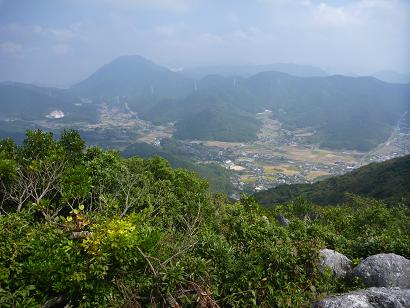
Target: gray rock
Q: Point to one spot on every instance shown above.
(80, 235)
(370, 298)
(282, 220)
(384, 270)
(265, 219)
(337, 262)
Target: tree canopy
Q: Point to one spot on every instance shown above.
(85, 227)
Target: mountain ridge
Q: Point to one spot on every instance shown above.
(249, 70)
(346, 112)
(391, 76)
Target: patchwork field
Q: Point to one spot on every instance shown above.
(313, 155)
(278, 155)
(222, 144)
(313, 175)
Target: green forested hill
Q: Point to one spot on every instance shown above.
(217, 176)
(28, 102)
(213, 92)
(218, 124)
(84, 227)
(345, 112)
(133, 76)
(388, 181)
(18, 100)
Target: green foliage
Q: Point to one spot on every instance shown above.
(358, 228)
(72, 144)
(77, 184)
(217, 176)
(8, 148)
(8, 168)
(8, 165)
(115, 232)
(38, 145)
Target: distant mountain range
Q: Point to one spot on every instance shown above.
(346, 112)
(249, 70)
(29, 102)
(388, 181)
(391, 76)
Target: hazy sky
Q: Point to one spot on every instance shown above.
(63, 41)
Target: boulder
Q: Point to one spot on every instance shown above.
(265, 219)
(337, 262)
(384, 270)
(370, 298)
(282, 220)
(80, 235)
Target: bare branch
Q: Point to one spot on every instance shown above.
(34, 185)
(184, 249)
(154, 272)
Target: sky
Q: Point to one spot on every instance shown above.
(61, 42)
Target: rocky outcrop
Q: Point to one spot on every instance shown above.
(282, 220)
(80, 235)
(387, 275)
(370, 298)
(338, 263)
(384, 270)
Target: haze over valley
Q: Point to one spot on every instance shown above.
(256, 128)
(209, 154)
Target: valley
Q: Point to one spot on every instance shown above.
(278, 156)
(209, 154)
(244, 133)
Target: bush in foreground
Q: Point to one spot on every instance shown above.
(87, 228)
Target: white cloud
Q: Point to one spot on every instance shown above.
(384, 4)
(232, 17)
(332, 16)
(56, 34)
(12, 49)
(356, 35)
(61, 34)
(61, 49)
(166, 5)
(170, 30)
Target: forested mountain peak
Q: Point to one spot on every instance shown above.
(131, 76)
